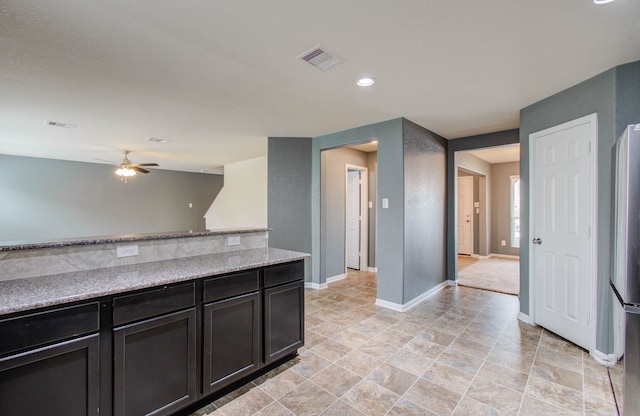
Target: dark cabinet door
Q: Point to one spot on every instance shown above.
(283, 320)
(154, 370)
(232, 338)
(61, 379)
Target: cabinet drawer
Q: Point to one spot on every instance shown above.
(46, 327)
(153, 302)
(231, 285)
(283, 273)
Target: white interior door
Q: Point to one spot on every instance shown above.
(465, 211)
(563, 211)
(353, 219)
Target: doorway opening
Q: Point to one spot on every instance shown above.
(347, 211)
(487, 218)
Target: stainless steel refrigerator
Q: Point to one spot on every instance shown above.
(625, 280)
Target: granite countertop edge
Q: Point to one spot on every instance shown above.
(33, 293)
(123, 238)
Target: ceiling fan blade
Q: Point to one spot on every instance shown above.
(145, 164)
(137, 169)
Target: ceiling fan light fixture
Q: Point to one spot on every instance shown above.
(124, 171)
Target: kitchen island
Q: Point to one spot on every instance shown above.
(156, 337)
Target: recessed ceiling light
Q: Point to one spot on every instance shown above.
(602, 1)
(365, 82)
(156, 140)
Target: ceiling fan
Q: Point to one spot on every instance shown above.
(127, 169)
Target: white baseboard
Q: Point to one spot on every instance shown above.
(336, 278)
(478, 256)
(452, 283)
(503, 256)
(525, 318)
(413, 302)
(317, 286)
(372, 269)
(605, 359)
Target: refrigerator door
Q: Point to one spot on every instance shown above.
(631, 405)
(632, 289)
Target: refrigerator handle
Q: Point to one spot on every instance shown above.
(634, 309)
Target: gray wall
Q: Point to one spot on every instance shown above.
(373, 189)
(467, 143)
(425, 155)
(390, 236)
(44, 199)
(289, 194)
(613, 95)
(501, 207)
(333, 199)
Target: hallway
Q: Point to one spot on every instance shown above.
(462, 352)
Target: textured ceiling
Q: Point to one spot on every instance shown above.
(216, 78)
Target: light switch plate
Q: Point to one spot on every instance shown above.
(127, 251)
(385, 202)
(233, 240)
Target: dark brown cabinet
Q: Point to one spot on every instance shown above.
(155, 351)
(49, 376)
(283, 310)
(154, 360)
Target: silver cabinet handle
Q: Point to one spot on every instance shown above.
(537, 241)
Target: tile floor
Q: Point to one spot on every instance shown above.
(462, 352)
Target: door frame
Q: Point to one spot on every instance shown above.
(471, 222)
(364, 217)
(592, 120)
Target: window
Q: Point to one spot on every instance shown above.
(515, 211)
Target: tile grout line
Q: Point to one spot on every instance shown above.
(533, 363)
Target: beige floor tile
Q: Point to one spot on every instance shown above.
(503, 376)
(370, 398)
(410, 362)
(597, 388)
(360, 363)
(247, 404)
(423, 347)
(558, 375)
(560, 358)
(274, 409)
(448, 377)
(331, 350)
(307, 399)
(470, 407)
(310, 364)
(467, 346)
(282, 383)
(392, 378)
(433, 397)
(406, 408)
(510, 360)
(340, 408)
(336, 380)
(436, 337)
(379, 349)
(351, 338)
(393, 337)
(595, 406)
(464, 362)
(555, 394)
(494, 395)
(532, 406)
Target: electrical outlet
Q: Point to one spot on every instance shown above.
(127, 251)
(503, 243)
(233, 240)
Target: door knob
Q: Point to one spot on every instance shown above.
(537, 241)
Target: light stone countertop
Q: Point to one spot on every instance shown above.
(121, 238)
(36, 292)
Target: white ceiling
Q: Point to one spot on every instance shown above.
(217, 77)
(499, 154)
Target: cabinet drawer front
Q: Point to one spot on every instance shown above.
(231, 285)
(46, 327)
(284, 273)
(152, 303)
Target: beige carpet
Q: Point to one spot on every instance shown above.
(495, 274)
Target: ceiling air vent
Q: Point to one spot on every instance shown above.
(59, 124)
(319, 58)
